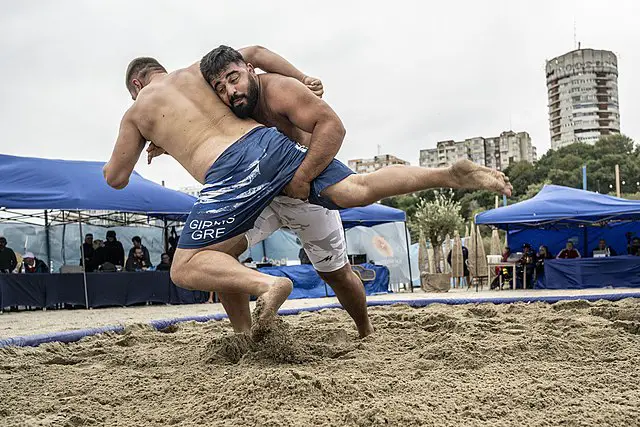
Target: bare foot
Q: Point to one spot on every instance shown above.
(366, 330)
(469, 175)
(267, 307)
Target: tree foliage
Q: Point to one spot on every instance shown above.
(436, 218)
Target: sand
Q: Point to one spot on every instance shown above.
(572, 363)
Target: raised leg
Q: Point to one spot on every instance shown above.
(350, 293)
(364, 189)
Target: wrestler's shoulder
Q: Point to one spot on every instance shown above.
(275, 82)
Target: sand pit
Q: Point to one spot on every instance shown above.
(572, 363)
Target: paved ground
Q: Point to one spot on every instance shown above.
(13, 324)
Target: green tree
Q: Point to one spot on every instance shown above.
(521, 175)
(435, 219)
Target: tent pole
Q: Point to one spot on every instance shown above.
(84, 267)
(46, 232)
(585, 245)
(406, 239)
(165, 234)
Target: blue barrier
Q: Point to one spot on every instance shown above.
(71, 336)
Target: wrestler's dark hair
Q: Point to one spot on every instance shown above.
(214, 62)
(139, 68)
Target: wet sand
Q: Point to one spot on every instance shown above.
(571, 363)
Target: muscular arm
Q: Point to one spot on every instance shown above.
(126, 152)
(311, 114)
(271, 62)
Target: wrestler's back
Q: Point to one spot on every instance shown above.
(180, 113)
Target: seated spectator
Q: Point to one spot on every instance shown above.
(634, 247)
(165, 263)
(603, 249)
(137, 261)
(31, 264)
(137, 243)
(526, 267)
(569, 252)
(8, 260)
(113, 250)
(543, 254)
(87, 248)
(502, 274)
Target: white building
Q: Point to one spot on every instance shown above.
(495, 152)
(193, 190)
(582, 88)
(371, 165)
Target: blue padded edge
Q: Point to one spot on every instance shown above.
(72, 336)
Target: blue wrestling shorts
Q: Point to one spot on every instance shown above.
(244, 180)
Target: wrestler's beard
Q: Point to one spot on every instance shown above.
(243, 111)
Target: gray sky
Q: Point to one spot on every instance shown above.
(400, 74)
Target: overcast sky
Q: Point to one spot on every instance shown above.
(402, 75)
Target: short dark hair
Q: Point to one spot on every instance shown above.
(214, 62)
(88, 235)
(136, 239)
(3, 239)
(139, 68)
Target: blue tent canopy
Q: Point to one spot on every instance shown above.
(557, 205)
(371, 215)
(33, 183)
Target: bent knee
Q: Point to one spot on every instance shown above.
(339, 277)
(180, 272)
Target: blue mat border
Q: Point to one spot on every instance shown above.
(76, 335)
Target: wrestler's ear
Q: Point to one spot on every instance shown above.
(250, 68)
(137, 83)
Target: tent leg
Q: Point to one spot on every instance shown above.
(48, 243)
(406, 238)
(165, 235)
(585, 244)
(84, 267)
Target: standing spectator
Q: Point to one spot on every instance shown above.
(87, 248)
(603, 248)
(113, 250)
(136, 262)
(137, 243)
(569, 252)
(8, 261)
(31, 264)
(465, 264)
(173, 242)
(165, 263)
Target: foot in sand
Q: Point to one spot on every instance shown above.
(469, 175)
(267, 307)
(366, 330)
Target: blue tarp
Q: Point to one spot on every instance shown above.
(559, 205)
(371, 215)
(308, 284)
(33, 183)
(616, 272)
